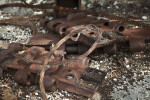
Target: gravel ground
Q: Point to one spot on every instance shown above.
(128, 76)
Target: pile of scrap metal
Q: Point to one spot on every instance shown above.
(77, 33)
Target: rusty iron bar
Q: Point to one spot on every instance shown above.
(61, 29)
(48, 6)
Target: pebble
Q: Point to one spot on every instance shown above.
(40, 12)
(27, 96)
(101, 61)
(127, 66)
(115, 79)
(144, 17)
(36, 93)
(28, 1)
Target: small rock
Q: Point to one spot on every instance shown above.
(144, 17)
(128, 66)
(28, 1)
(115, 79)
(36, 93)
(27, 96)
(96, 96)
(40, 12)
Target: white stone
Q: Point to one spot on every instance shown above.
(144, 17)
(28, 1)
(128, 66)
(40, 12)
(115, 79)
(101, 61)
(27, 96)
(96, 96)
(36, 93)
(116, 7)
(136, 26)
(115, 3)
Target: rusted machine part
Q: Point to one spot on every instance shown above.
(138, 32)
(69, 3)
(43, 39)
(66, 3)
(80, 48)
(50, 83)
(117, 26)
(61, 29)
(92, 74)
(13, 64)
(35, 52)
(51, 25)
(22, 77)
(69, 78)
(113, 26)
(76, 16)
(101, 22)
(137, 37)
(137, 44)
(12, 49)
(90, 33)
(84, 39)
(44, 22)
(111, 49)
(70, 42)
(25, 77)
(104, 28)
(32, 53)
